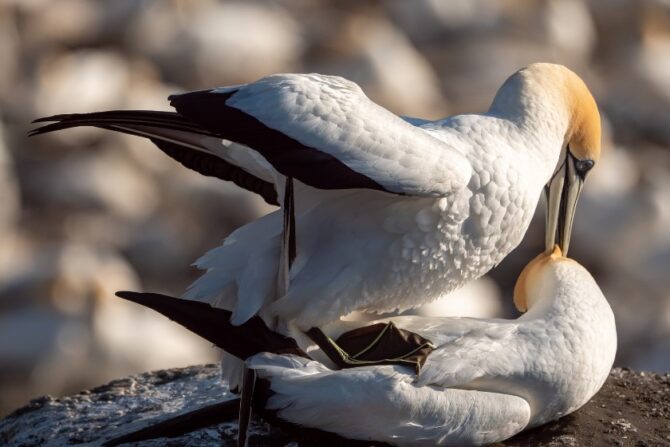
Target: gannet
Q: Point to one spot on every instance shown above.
(390, 212)
(487, 379)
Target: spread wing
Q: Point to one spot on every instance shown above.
(321, 130)
(325, 132)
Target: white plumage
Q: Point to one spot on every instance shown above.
(487, 380)
(478, 178)
(334, 115)
(390, 213)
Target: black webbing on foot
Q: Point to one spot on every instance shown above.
(377, 344)
(286, 258)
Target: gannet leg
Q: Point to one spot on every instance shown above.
(383, 403)
(287, 256)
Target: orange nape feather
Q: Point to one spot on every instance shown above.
(529, 273)
(583, 133)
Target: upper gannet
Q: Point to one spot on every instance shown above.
(487, 379)
(462, 189)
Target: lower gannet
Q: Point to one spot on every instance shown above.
(487, 379)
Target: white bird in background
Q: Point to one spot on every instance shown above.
(390, 212)
(487, 379)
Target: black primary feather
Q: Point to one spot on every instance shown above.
(147, 123)
(213, 324)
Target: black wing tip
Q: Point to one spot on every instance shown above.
(44, 119)
(199, 93)
(126, 294)
(52, 119)
(143, 298)
(58, 117)
(45, 129)
(133, 297)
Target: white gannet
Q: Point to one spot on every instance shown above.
(390, 212)
(487, 379)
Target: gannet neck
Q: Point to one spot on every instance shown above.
(573, 329)
(554, 103)
(530, 275)
(545, 286)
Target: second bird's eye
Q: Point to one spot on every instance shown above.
(584, 165)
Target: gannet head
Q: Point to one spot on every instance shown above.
(564, 98)
(579, 153)
(532, 273)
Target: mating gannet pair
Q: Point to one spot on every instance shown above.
(483, 380)
(390, 212)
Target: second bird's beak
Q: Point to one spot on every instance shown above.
(562, 194)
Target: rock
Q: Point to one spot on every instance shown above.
(632, 409)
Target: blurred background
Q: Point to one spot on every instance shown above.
(84, 213)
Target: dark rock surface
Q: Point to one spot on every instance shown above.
(632, 409)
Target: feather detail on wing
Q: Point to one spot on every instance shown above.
(325, 132)
(471, 350)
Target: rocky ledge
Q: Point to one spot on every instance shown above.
(632, 409)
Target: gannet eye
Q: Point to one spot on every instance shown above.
(584, 166)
